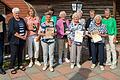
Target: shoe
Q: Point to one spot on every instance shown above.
(60, 61)
(108, 64)
(14, 71)
(51, 69)
(2, 71)
(90, 58)
(93, 66)
(30, 64)
(44, 68)
(72, 65)
(37, 63)
(22, 68)
(78, 65)
(67, 60)
(102, 68)
(113, 66)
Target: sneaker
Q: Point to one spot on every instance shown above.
(30, 64)
(113, 66)
(102, 68)
(72, 65)
(37, 63)
(90, 58)
(67, 60)
(93, 66)
(44, 68)
(51, 69)
(60, 61)
(78, 65)
(108, 64)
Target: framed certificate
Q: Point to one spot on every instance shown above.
(95, 36)
(48, 33)
(78, 36)
(1, 26)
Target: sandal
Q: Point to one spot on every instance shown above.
(13, 71)
(22, 68)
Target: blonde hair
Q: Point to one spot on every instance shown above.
(62, 14)
(80, 11)
(75, 15)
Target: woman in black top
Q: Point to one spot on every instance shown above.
(16, 36)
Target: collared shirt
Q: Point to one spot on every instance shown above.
(61, 28)
(102, 30)
(73, 28)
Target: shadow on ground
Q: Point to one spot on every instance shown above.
(82, 74)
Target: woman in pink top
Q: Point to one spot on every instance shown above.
(62, 28)
(33, 27)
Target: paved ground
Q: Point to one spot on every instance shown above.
(63, 72)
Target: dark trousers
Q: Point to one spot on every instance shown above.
(89, 46)
(97, 49)
(1, 54)
(16, 52)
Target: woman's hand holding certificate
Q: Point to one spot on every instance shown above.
(78, 36)
(49, 32)
(95, 36)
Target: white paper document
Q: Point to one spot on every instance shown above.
(95, 36)
(49, 32)
(1, 26)
(78, 36)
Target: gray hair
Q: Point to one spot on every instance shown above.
(80, 11)
(15, 10)
(62, 14)
(98, 16)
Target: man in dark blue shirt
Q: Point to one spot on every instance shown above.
(2, 33)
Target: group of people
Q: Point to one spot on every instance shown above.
(51, 32)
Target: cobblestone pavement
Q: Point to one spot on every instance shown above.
(64, 72)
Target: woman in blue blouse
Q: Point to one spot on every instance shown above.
(75, 47)
(97, 47)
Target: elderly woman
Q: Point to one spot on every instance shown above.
(33, 27)
(81, 20)
(97, 32)
(16, 36)
(75, 46)
(62, 28)
(111, 26)
(48, 41)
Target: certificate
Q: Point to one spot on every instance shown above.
(95, 36)
(1, 26)
(48, 33)
(78, 36)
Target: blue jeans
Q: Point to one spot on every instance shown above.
(97, 49)
(48, 49)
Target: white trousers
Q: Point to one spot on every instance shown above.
(111, 51)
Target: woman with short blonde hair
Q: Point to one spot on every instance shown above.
(75, 46)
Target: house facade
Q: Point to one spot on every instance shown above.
(41, 5)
